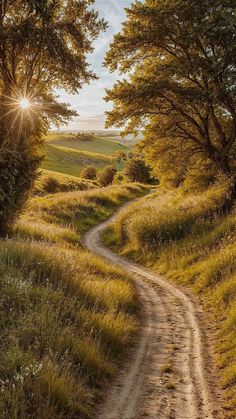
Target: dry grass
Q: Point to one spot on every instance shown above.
(66, 315)
(53, 182)
(187, 239)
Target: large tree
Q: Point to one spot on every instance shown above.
(180, 57)
(43, 46)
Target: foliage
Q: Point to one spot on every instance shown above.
(43, 45)
(17, 172)
(89, 172)
(107, 176)
(180, 60)
(137, 171)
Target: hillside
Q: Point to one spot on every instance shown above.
(69, 155)
(98, 144)
(52, 182)
(66, 315)
(184, 236)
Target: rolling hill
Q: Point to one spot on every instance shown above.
(68, 154)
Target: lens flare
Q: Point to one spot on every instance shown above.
(24, 103)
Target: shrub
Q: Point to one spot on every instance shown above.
(107, 176)
(137, 171)
(51, 185)
(89, 173)
(18, 170)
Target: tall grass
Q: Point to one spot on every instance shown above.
(187, 238)
(65, 315)
(64, 217)
(53, 182)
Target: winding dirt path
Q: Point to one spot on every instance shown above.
(169, 373)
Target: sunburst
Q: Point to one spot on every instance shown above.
(24, 103)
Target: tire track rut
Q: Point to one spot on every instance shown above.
(169, 374)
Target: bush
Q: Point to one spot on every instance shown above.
(137, 171)
(51, 185)
(89, 173)
(107, 176)
(17, 174)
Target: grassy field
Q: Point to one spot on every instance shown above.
(98, 144)
(185, 237)
(72, 162)
(52, 182)
(66, 316)
(67, 154)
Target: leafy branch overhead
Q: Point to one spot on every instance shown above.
(43, 46)
(179, 57)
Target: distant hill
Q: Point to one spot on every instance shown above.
(70, 153)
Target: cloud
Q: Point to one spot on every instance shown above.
(89, 103)
(94, 122)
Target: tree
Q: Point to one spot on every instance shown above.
(137, 171)
(43, 45)
(180, 58)
(89, 172)
(107, 175)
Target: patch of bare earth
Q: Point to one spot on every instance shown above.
(170, 372)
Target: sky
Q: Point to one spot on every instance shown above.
(89, 103)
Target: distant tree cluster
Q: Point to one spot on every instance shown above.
(181, 88)
(83, 137)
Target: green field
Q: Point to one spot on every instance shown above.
(69, 155)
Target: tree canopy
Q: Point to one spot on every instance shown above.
(43, 46)
(180, 61)
(137, 171)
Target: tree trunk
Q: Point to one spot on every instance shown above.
(222, 163)
(231, 197)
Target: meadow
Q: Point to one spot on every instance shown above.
(66, 315)
(52, 182)
(186, 236)
(69, 154)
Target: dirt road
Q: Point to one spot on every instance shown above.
(169, 373)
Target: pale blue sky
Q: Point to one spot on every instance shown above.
(89, 102)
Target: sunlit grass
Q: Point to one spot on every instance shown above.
(66, 315)
(52, 182)
(187, 238)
